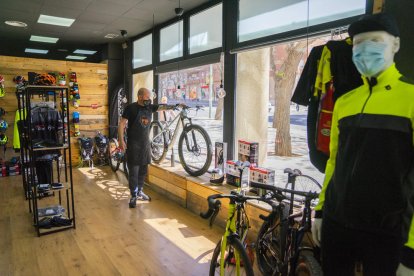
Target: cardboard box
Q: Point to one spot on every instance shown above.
(233, 175)
(263, 176)
(248, 151)
(220, 156)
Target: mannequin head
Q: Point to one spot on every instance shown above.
(375, 42)
(144, 97)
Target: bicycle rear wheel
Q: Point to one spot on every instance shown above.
(158, 142)
(112, 154)
(268, 248)
(307, 265)
(234, 247)
(195, 150)
(304, 183)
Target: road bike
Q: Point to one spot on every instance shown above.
(232, 255)
(284, 244)
(194, 144)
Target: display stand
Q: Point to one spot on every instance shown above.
(52, 142)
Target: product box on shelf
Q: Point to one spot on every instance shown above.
(263, 176)
(220, 155)
(248, 151)
(233, 175)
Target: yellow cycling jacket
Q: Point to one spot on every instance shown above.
(369, 182)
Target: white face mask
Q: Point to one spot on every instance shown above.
(373, 52)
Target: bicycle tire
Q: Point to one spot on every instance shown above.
(268, 248)
(236, 245)
(191, 169)
(114, 164)
(159, 147)
(307, 265)
(304, 183)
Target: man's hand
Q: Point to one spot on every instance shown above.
(404, 271)
(316, 231)
(122, 145)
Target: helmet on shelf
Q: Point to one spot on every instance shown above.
(217, 176)
(18, 79)
(3, 139)
(45, 79)
(3, 125)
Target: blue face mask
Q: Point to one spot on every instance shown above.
(368, 57)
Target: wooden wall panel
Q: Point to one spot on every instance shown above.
(93, 89)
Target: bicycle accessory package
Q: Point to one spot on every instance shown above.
(61, 79)
(2, 90)
(75, 120)
(3, 125)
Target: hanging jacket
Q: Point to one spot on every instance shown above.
(369, 182)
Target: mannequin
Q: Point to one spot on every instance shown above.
(365, 201)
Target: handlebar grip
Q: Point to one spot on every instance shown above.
(213, 206)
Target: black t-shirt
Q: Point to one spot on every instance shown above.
(138, 144)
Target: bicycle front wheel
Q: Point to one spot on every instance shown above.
(233, 265)
(158, 143)
(112, 154)
(195, 150)
(304, 183)
(268, 249)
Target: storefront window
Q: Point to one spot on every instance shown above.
(266, 79)
(268, 17)
(206, 36)
(142, 51)
(144, 79)
(198, 89)
(171, 41)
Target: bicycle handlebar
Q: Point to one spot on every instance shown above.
(278, 191)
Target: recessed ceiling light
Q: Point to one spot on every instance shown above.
(84, 52)
(43, 39)
(53, 20)
(76, 57)
(16, 23)
(111, 35)
(36, 51)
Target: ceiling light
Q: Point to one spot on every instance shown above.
(53, 20)
(76, 57)
(43, 39)
(111, 35)
(16, 23)
(84, 52)
(36, 51)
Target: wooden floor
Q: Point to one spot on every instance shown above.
(157, 238)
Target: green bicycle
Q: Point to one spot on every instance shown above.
(232, 255)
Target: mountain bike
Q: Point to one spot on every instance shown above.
(281, 246)
(232, 255)
(116, 156)
(194, 145)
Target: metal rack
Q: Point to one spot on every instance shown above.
(58, 95)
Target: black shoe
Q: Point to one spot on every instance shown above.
(133, 202)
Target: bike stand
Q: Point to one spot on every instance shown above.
(172, 157)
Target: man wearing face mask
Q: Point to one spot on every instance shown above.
(365, 209)
(138, 115)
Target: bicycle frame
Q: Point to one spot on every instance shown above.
(234, 214)
(179, 120)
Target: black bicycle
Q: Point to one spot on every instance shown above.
(284, 244)
(116, 156)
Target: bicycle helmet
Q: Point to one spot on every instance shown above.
(18, 79)
(45, 79)
(2, 111)
(86, 148)
(3, 139)
(3, 125)
(217, 176)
